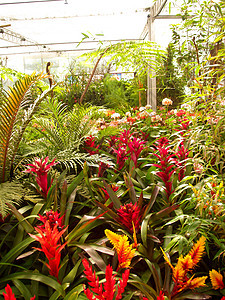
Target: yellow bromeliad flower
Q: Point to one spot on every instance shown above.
(184, 264)
(216, 280)
(124, 250)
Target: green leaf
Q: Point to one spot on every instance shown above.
(74, 184)
(69, 278)
(37, 277)
(164, 212)
(151, 201)
(83, 228)
(74, 293)
(14, 252)
(23, 289)
(112, 195)
(23, 222)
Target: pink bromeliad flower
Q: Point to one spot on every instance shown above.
(8, 295)
(135, 146)
(40, 167)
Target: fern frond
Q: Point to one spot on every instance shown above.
(10, 192)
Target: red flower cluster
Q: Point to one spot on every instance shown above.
(127, 146)
(169, 162)
(53, 217)
(130, 215)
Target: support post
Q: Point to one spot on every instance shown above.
(151, 80)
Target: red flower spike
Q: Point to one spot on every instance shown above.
(9, 294)
(109, 284)
(122, 284)
(135, 147)
(122, 155)
(51, 246)
(167, 168)
(182, 155)
(94, 281)
(41, 168)
(161, 296)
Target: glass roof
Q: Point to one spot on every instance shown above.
(34, 27)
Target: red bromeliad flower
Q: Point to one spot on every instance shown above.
(109, 288)
(41, 168)
(9, 294)
(51, 246)
(102, 168)
(91, 146)
(130, 215)
(127, 146)
(161, 296)
(53, 217)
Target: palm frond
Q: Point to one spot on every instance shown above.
(62, 134)
(16, 109)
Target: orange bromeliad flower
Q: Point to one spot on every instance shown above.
(184, 264)
(197, 250)
(124, 250)
(216, 280)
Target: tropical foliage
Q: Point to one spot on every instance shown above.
(100, 203)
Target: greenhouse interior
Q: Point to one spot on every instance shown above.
(112, 150)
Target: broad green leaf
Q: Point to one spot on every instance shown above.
(37, 277)
(23, 289)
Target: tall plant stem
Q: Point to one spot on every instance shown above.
(92, 74)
